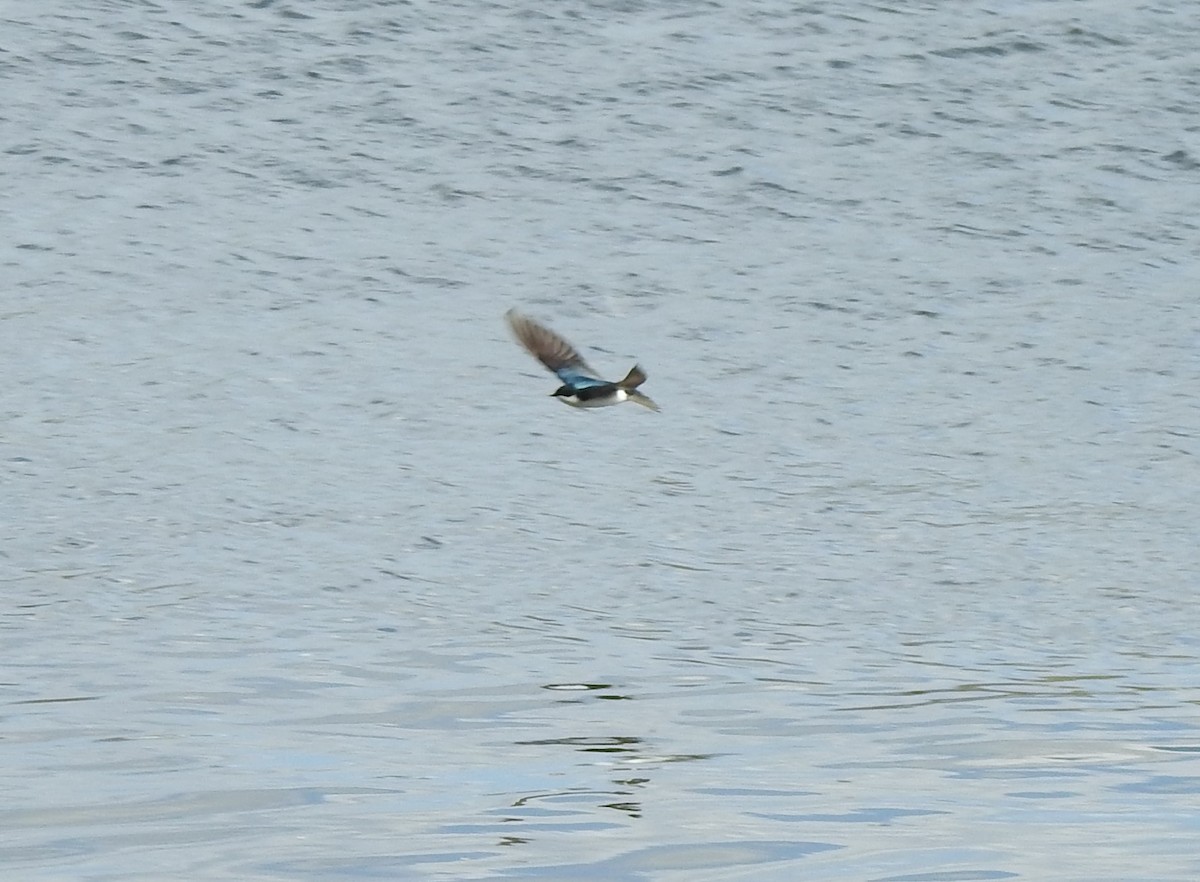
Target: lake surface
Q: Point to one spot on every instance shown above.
(306, 578)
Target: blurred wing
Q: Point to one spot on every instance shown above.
(551, 350)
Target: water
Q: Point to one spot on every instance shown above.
(307, 578)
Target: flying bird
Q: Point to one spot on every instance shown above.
(581, 386)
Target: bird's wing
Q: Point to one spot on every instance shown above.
(552, 350)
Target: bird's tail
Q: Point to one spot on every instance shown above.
(633, 379)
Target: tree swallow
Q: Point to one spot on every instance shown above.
(581, 386)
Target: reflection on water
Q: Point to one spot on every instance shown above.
(898, 586)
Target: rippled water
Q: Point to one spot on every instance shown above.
(307, 578)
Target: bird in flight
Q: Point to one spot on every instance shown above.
(581, 386)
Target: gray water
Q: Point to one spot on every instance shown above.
(306, 578)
